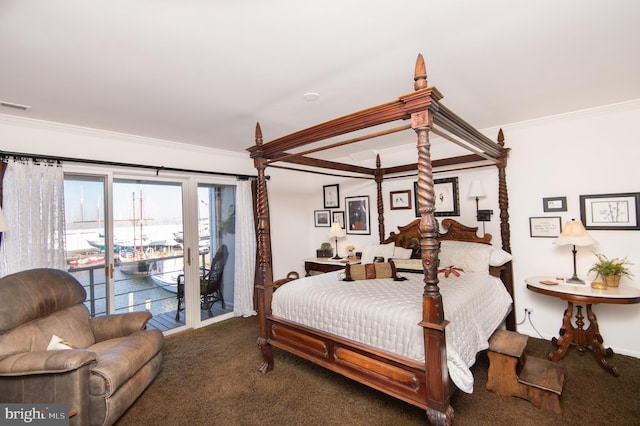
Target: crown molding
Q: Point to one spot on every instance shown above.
(19, 121)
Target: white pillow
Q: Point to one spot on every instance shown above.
(471, 257)
(499, 257)
(378, 250)
(401, 253)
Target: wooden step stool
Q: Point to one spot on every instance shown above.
(512, 373)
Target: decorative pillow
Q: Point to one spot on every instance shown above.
(370, 271)
(471, 257)
(57, 343)
(379, 250)
(451, 271)
(402, 253)
(499, 257)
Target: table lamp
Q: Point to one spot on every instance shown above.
(336, 232)
(476, 191)
(574, 234)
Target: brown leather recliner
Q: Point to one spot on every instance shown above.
(113, 357)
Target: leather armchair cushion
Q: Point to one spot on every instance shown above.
(35, 294)
(119, 359)
(118, 325)
(43, 362)
(71, 324)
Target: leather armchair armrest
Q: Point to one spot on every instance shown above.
(45, 362)
(118, 325)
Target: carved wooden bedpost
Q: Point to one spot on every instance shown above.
(379, 176)
(439, 409)
(505, 231)
(264, 285)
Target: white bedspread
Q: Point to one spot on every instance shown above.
(385, 314)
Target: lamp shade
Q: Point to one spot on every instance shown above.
(336, 231)
(575, 234)
(3, 222)
(476, 189)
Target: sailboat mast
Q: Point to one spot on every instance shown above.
(133, 211)
(141, 216)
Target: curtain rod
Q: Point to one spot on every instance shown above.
(117, 164)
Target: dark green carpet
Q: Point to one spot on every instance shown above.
(210, 377)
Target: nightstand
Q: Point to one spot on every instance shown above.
(326, 264)
(579, 295)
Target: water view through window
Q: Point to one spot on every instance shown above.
(146, 244)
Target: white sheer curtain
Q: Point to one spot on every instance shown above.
(33, 204)
(245, 255)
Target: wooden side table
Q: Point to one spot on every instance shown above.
(577, 296)
(326, 264)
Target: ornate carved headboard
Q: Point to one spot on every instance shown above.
(409, 235)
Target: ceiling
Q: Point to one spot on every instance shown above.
(204, 72)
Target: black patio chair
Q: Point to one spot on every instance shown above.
(210, 284)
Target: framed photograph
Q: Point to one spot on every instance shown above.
(338, 216)
(322, 218)
(554, 204)
(447, 202)
(545, 227)
(358, 215)
(400, 200)
(610, 211)
(331, 194)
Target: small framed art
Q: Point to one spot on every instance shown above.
(545, 227)
(447, 201)
(610, 211)
(554, 204)
(358, 215)
(322, 218)
(331, 195)
(400, 200)
(338, 216)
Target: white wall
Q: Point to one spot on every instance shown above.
(587, 152)
(47, 138)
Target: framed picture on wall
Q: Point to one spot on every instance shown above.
(554, 204)
(338, 216)
(610, 211)
(400, 200)
(545, 227)
(331, 195)
(447, 201)
(358, 215)
(322, 218)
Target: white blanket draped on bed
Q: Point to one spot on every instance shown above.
(385, 314)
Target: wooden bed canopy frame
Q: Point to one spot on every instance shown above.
(426, 385)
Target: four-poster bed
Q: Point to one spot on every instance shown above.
(424, 383)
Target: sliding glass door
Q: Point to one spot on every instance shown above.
(148, 249)
(85, 230)
(157, 245)
(216, 229)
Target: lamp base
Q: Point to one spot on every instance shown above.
(336, 257)
(574, 280)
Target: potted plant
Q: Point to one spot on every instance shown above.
(326, 250)
(611, 269)
(350, 250)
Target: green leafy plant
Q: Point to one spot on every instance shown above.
(605, 266)
(325, 246)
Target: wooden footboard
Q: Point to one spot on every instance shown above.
(400, 377)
